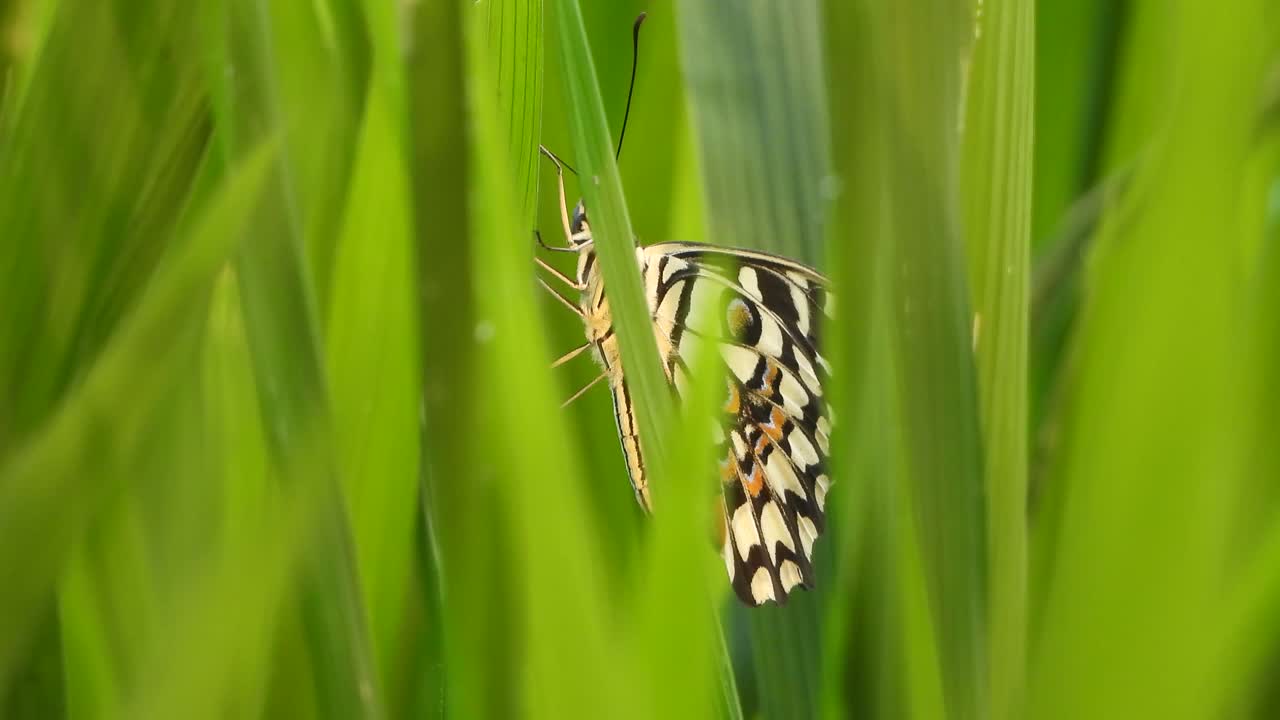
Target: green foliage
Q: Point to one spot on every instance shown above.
(997, 175)
(278, 436)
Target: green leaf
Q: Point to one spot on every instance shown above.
(997, 175)
(465, 662)
(754, 77)
(513, 41)
(282, 327)
(373, 363)
(1152, 431)
(550, 560)
(614, 238)
(931, 334)
(1070, 121)
(257, 536)
(49, 489)
(676, 606)
(864, 622)
(321, 54)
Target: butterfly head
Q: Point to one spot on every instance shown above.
(579, 228)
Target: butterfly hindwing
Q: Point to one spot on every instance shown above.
(762, 314)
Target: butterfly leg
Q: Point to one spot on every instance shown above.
(571, 354)
(564, 212)
(584, 389)
(563, 278)
(564, 207)
(538, 236)
(577, 310)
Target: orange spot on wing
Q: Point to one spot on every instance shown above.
(761, 444)
(771, 375)
(756, 481)
(735, 402)
(774, 427)
(728, 469)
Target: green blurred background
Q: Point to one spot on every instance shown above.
(278, 436)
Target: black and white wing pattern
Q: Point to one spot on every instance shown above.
(765, 314)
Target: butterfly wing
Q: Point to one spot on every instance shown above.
(764, 314)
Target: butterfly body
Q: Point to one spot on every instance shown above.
(763, 312)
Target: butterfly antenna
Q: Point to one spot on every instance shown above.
(559, 162)
(635, 53)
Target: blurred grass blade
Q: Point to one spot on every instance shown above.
(464, 192)
(64, 299)
(1252, 630)
(938, 406)
(1070, 122)
(20, 75)
(211, 604)
(1152, 431)
(730, 703)
(49, 488)
(677, 617)
(457, 508)
(262, 554)
(282, 327)
(863, 638)
(997, 176)
(753, 73)
(372, 353)
(321, 53)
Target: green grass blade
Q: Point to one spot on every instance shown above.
(64, 299)
(1152, 431)
(864, 635)
(930, 331)
(614, 238)
(38, 525)
(282, 327)
(36, 19)
(372, 353)
(209, 604)
(1070, 121)
(997, 176)
(258, 535)
(513, 39)
(677, 617)
(1253, 605)
(468, 272)
(110, 124)
(321, 57)
(458, 510)
(755, 85)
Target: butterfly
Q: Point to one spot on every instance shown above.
(764, 312)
